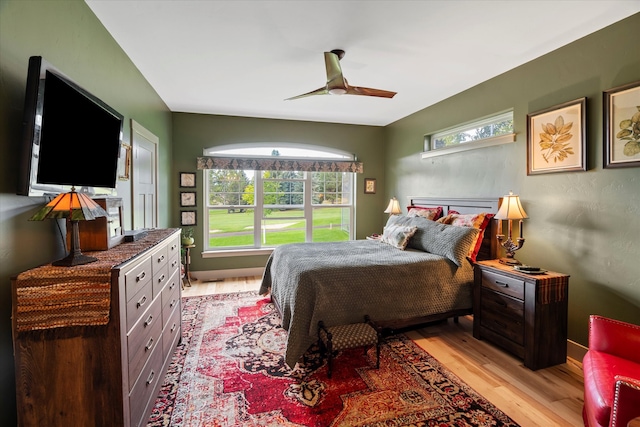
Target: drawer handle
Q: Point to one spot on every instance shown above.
(149, 345)
(150, 377)
(140, 276)
(148, 321)
(504, 285)
(173, 247)
(141, 302)
(161, 258)
(174, 263)
(173, 327)
(161, 279)
(173, 303)
(172, 285)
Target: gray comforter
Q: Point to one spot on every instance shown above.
(341, 282)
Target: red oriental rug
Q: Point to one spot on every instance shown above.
(229, 371)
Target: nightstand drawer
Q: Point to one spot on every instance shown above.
(501, 283)
(503, 315)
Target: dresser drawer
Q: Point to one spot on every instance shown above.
(506, 285)
(174, 263)
(143, 389)
(173, 248)
(145, 336)
(138, 304)
(170, 297)
(160, 279)
(171, 331)
(503, 315)
(137, 277)
(160, 259)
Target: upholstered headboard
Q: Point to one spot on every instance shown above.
(490, 247)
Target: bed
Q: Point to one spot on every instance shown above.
(340, 282)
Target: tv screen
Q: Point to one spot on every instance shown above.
(70, 138)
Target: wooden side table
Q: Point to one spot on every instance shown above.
(525, 314)
(187, 263)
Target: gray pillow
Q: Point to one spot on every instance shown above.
(449, 241)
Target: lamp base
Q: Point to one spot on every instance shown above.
(74, 259)
(509, 261)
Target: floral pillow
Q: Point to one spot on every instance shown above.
(398, 235)
(479, 221)
(428, 213)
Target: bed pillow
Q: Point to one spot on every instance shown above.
(429, 213)
(398, 235)
(478, 221)
(449, 241)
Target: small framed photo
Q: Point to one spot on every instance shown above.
(369, 186)
(556, 138)
(124, 162)
(621, 109)
(187, 198)
(188, 218)
(187, 179)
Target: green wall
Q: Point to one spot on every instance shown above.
(581, 223)
(193, 132)
(68, 35)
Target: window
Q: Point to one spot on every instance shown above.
(497, 129)
(253, 209)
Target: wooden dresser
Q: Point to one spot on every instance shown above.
(525, 314)
(92, 343)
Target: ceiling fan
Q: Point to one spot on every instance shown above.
(337, 84)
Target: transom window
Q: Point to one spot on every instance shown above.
(250, 209)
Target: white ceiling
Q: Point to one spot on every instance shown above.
(243, 58)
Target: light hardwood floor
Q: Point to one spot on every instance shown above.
(547, 398)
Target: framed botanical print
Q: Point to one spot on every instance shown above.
(188, 218)
(621, 140)
(556, 138)
(369, 186)
(187, 198)
(187, 179)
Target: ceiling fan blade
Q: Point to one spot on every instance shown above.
(319, 91)
(356, 90)
(332, 65)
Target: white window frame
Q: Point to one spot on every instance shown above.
(258, 249)
(429, 140)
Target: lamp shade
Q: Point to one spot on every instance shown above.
(511, 208)
(394, 207)
(72, 205)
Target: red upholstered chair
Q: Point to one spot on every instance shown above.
(611, 373)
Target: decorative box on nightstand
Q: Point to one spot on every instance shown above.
(102, 233)
(525, 314)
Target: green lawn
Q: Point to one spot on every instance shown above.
(326, 223)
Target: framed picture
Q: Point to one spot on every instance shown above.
(187, 198)
(188, 218)
(621, 140)
(556, 138)
(187, 179)
(369, 186)
(124, 162)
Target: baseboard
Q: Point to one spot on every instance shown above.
(214, 275)
(576, 351)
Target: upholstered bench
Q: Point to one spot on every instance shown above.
(337, 338)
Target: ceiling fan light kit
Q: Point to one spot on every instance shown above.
(337, 84)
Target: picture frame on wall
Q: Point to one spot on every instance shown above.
(124, 162)
(187, 198)
(188, 218)
(369, 186)
(187, 179)
(556, 138)
(621, 123)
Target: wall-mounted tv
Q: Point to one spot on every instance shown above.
(70, 137)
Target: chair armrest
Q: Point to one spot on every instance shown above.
(614, 337)
(626, 401)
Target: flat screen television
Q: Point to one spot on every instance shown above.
(70, 137)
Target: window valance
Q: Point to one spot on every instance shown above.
(280, 164)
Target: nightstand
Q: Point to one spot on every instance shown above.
(525, 314)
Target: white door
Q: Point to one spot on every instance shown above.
(144, 177)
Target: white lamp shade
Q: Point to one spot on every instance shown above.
(511, 208)
(394, 207)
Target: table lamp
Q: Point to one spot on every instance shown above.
(510, 209)
(74, 207)
(394, 207)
